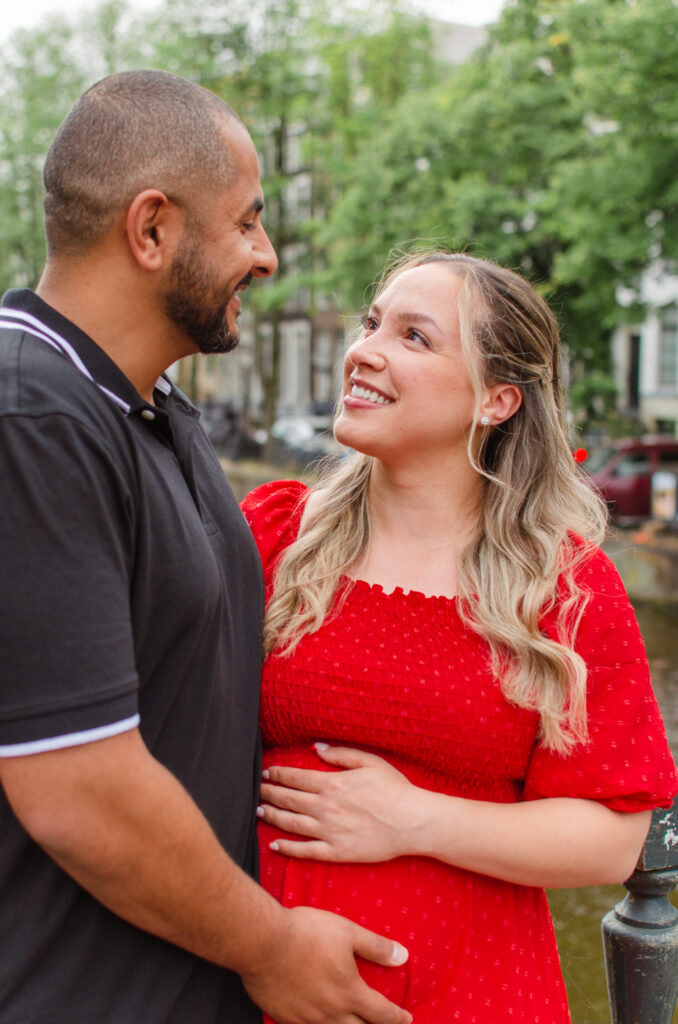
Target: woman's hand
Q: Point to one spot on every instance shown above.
(372, 813)
(363, 814)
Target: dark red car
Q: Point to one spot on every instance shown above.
(623, 472)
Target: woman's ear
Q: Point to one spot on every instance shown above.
(153, 224)
(501, 402)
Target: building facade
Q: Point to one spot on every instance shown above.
(645, 356)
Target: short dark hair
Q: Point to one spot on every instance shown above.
(131, 131)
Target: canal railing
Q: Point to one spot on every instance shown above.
(640, 936)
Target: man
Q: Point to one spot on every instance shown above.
(132, 601)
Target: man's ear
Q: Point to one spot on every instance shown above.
(501, 402)
(153, 224)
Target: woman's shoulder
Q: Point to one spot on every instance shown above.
(274, 512)
(589, 585)
(608, 623)
(594, 570)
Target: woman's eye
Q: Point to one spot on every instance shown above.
(417, 337)
(369, 323)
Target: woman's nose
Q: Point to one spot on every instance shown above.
(367, 351)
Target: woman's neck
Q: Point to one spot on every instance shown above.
(419, 528)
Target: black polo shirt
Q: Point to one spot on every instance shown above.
(131, 594)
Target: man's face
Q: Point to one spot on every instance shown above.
(221, 250)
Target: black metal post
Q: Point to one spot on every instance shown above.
(640, 936)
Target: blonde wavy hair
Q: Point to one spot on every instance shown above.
(537, 517)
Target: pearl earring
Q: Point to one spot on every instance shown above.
(484, 421)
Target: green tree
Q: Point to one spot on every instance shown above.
(40, 80)
(44, 72)
(552, 150)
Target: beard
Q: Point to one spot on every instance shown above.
(196, 301)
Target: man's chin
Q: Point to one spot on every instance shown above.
(220, 336)
(225, 341)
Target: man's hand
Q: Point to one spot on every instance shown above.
(123, 827)
(310, 975)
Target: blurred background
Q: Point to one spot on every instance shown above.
(540, 133)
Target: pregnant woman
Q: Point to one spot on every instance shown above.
(456, 707)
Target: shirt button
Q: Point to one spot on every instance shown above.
(147, 414)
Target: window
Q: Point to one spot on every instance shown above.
(668, 461)
(633, 464)
(667, 375)
(322, 368)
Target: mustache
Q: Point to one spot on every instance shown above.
(247, 279)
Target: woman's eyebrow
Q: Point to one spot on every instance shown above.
(408, 317)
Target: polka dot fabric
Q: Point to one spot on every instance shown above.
(400, 675)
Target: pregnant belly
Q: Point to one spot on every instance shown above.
(480, 950)
(421, 903)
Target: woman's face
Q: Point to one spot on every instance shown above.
(407, 391)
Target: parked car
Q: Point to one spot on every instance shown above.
(623, 472)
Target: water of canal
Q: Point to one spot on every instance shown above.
(577, 913)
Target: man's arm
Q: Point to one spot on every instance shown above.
(123, 827)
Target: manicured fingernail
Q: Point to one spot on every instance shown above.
(260, 812)
(399, 955)
(265, 774)
(321, 746)
(274, 846)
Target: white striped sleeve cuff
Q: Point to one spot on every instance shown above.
(71, 739)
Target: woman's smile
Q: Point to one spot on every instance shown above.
(362, 392)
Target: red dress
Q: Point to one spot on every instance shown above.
(399, 674)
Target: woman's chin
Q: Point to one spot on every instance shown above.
(362, 434)
(349, 438)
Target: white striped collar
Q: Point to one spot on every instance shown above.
(17, 319)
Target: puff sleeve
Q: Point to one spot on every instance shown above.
(274, 512)
(626, 763)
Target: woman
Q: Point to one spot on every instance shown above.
(439, 614)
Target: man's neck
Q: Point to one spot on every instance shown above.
(124, 325)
